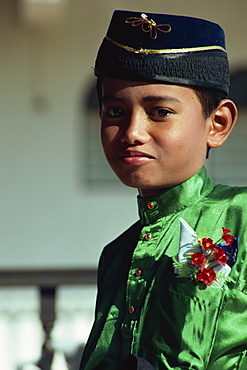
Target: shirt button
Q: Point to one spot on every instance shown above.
(138, 272)
(131, 309)
(148, 236)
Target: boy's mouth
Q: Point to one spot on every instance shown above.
(135, 157)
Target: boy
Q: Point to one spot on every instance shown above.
(172, 288)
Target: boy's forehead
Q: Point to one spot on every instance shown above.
(117, 89)
(165, 48)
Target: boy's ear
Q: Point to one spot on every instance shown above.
(222, 121)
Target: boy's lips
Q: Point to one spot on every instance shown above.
(135, 157)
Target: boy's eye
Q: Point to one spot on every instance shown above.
(160, 112)
(115, 112)
(163, 112)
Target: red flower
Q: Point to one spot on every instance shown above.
(198, 259)
(207, 243)
(220, 256)
(227, 237)
(207, 276)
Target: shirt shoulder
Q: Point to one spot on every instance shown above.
(233, 194)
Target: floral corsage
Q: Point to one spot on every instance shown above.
(203, 260)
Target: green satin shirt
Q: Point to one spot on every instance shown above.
(144, 309)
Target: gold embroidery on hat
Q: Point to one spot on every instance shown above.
(165, 51)
(148, 25)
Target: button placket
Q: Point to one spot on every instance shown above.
(137, 279)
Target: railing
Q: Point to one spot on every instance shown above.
(47, 282)
(47, 277)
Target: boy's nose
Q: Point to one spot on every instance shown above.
(136, 130)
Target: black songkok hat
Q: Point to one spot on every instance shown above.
(167, 48)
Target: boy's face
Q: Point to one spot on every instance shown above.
(154, 135)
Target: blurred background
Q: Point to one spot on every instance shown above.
(60, 203)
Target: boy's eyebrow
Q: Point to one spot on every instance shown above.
(160, 98)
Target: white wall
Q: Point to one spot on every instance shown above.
(49, 216)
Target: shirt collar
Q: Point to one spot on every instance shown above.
(174, 199)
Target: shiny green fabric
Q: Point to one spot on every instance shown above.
(173, 323)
